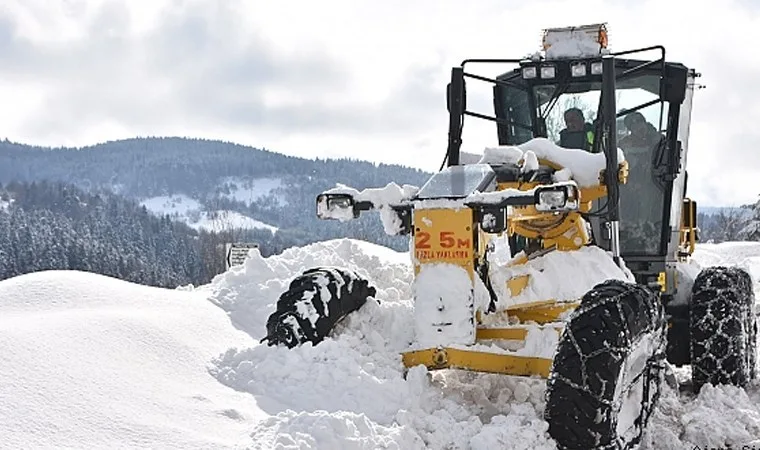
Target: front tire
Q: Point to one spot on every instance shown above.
(607, 370)
(314, 303)
(723, 328)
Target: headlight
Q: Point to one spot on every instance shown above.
(548, 72)
(596, 68)
(529, 72)
(557, 198)
(578, 70)
(552, 199)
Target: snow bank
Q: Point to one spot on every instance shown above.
(582, 165)
(350, 391)
(94, 362)
(563, 276)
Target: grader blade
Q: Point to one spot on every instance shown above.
(478, 361)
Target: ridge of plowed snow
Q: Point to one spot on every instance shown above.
(94, 362)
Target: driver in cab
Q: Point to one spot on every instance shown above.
(578, 133)
(642, 134)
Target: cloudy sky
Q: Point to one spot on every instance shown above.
(346, 77)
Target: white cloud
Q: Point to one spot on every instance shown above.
(341, 77)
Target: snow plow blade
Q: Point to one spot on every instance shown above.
(454, 358)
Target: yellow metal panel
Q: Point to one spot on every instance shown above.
(541, 312)
(444, 236)
(517, 284)
(508, 333)
(513, 334)
(451, 358)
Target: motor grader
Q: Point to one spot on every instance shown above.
(592, 290)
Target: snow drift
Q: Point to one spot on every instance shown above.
(94, 362)
(91, 361)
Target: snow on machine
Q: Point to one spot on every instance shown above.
(562, 252)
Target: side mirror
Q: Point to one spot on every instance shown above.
(336, 206)
(341, 207)
(493, 220)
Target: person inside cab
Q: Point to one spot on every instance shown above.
(578, 133)
(642, 134)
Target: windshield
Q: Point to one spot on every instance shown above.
(457, 181)
(569, 111)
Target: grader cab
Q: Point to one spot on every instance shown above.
(557, 251)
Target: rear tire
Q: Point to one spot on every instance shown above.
(607, 370)
(723, 328)
(314, 303)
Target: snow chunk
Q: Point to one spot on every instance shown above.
(583, 166)
(571, 44)
(687, 272)
(502, 154)
(443, 306)
(563, 276)
(530, 162)
(540, 342)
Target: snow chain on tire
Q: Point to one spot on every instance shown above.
(314, 303)
(585, 391)
(723, 328)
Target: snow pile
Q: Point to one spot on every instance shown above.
(584, 167)
(562, 276)
(349, 391)
(249, 292)
(94, 362)
(741, 254)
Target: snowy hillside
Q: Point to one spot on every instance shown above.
(191, 212)
(251, 190)
(95, 362)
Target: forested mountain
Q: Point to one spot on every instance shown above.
(85, 208)
(46, 225)
(219, 176)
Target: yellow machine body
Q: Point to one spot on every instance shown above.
(447, 235)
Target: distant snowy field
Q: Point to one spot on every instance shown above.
(189, 211)
(248, 191)
(94, 362)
